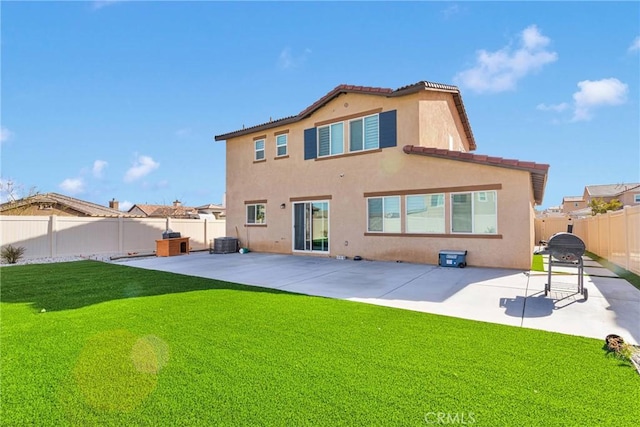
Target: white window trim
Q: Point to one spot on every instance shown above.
(330, 125)
(285, 145)
(406, 212)
(346, 136)
(636, 198)
(255, 205)
(293, 222)
(384, 214)
(256, 150)
(472, 193)
(348, 143)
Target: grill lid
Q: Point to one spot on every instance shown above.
(566, 247)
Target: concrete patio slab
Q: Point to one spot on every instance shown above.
(508, 297)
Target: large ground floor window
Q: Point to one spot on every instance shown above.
(449, 212)
(474, 212)
(383, 214)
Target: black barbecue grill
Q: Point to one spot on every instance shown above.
(566, 249)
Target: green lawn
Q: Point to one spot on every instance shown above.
(537, 263)
(123, 346)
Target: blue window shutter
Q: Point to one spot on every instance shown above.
(310, 144)
(388, 126)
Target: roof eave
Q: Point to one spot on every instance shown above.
(342, 89)
(538, 171)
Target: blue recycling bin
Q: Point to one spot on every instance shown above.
(452, 259)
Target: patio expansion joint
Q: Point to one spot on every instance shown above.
(405, 284)
(294, 282)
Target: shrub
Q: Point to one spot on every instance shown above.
(12, 254)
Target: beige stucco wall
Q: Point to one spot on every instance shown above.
(628, 197)
(346, 180)
(570, 206)
(438, 125)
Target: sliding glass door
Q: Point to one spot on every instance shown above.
(311, 226)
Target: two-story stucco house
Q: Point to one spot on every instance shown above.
(382, 174)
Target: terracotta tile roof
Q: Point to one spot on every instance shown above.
(610, 190)
(378, 91)
(82, 207)
(538, 171)
(338, 90)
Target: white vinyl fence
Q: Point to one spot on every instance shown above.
(51, 236)
(614, 236)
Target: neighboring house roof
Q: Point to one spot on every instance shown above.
(610, 190)
(581, 213)
(378, 91)
(80, 206)
(572, 199)
(166, 211)
(211, 207)
(538, 171)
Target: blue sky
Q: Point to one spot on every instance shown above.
(121, 99)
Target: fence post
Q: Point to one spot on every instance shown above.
(206, 227)
(609, 244)
(627, 248)
(121, 234)
(53, 226)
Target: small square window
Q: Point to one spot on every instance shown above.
(256, 214)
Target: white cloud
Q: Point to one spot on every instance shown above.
(553, 107)
(72, 186)
(450, 11)
(125, 206)
(5, 134)
(288, 60)
(142, 166)
(635, 45)
(98, 168)
(593, 94)
(501, 70)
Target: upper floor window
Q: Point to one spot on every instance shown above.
(367, 132)
(364, 133)
(281, 145)
(259, 149)
(475, 212)
(331, 139)
(383, 214)
(256, 214)
(636, 198)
